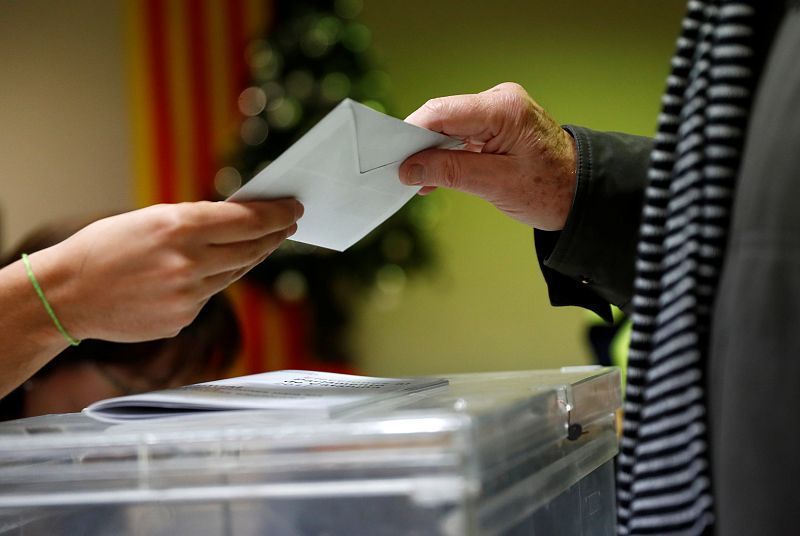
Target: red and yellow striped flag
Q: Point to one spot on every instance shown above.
(187, 68)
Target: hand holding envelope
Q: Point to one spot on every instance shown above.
(345, 173)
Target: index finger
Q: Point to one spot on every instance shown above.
(232, 221)
(475, 118)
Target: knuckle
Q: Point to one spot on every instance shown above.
(516, 111)
(509, 97)
(450, 172)
(195, 214)
(158, 217)
(182, 270)
(512, 87)
(176, 221)
(436, 106)
(515, 102)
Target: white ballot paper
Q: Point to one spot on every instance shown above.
(287, 391)
(345, 172)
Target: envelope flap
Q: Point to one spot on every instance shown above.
(382, 140)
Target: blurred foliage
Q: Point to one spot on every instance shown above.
(316, 54)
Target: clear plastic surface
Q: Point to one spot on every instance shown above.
(524, 452)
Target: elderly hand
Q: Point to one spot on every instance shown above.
(146, 274)
(518, 158)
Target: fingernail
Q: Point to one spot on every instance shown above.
(299, 210)
(415, 174)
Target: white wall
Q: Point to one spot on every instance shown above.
(63, 112)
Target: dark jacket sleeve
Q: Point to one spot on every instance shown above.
(590, 263)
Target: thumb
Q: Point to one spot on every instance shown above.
(479, 174)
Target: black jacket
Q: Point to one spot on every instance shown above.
(753, 374)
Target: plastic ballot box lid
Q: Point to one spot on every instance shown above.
(484, 454)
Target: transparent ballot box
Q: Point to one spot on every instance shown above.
(507, 453)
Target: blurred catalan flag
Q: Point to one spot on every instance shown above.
(188, 66)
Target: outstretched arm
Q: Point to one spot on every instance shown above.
(138, 276)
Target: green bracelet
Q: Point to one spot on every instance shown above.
(40, 292)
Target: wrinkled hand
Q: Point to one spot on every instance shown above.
(517, 157)
(147, 273)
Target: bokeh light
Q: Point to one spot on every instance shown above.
(391, 279)
(227, 180)
(254, 131)
(348, 9)
(335, 86)
(356, 37)
(397, 246)
(291, 286)
(426, 212)
(252, 101)
(285, 113)
(265, 63)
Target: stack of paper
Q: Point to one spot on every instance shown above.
(286, 391)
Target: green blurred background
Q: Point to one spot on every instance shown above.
(597, 64)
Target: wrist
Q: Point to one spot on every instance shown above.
(25, 315)
(566, 177)
(60, 283)
(570, 165)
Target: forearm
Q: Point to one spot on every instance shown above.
(138, 276)
(31, 338)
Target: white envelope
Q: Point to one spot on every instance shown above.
(345, 172)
